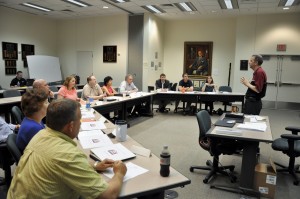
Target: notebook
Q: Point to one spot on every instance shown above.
(114, 152)
(224, 123)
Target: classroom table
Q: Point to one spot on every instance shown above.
(149, 184)
(250, 140)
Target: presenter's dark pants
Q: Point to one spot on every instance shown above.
(252, 106)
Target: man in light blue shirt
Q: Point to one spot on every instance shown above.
(6, 129)
(128, 86)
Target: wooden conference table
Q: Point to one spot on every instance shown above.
(149, 184)
(250, 140)
(197, 96)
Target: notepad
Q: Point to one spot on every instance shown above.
(114, 152)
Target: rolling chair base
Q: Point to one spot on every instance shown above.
(214, 169)
(291, 171)
(239, 190)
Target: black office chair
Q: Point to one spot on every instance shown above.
(13, 148)
(289, 144)
(215, 147)
(17, 114)
(101, 84)
(53, 88)
(225, 89)
(6, 160)
(150, 88)
(11, 93)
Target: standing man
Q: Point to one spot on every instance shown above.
(163, 84)
(128, 86)
(185, 85)
(18, 81)
(92, 89)
(42, 84)
(200, 65)
(256, 87)
(52, 166)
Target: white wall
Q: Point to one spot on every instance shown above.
(219, 31)
(153, 44)
(24, 28)
(90, 34)
(261, 34)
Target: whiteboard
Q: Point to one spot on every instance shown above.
(44, 67)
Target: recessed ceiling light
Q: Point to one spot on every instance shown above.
(105, 7)
(289, 2)
(36, 7)
(77, 3)
(185, 6)
(153, 9)
(285, 8)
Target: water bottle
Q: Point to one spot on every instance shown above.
(88, 104)
(165, 159)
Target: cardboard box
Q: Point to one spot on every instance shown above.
(265, 179)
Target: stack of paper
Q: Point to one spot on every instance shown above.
(256, 126)
(133, 170)
(114, 152)
(88, 126)
(93, 139)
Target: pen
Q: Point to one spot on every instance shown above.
(94, 157)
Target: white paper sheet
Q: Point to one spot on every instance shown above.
(88, 126)
(114, 152)
(256, 126)
(93, 139)
(133, 170)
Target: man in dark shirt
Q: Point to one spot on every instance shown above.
(163, 84)
(18, 81)
(185, 85)
(256, 87)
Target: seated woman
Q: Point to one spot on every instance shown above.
(107, 88)
(209, 86)
(34, 105)
(68, 89)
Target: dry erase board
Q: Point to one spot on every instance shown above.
(44, 67)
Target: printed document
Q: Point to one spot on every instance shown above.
(93, 139)
(114, 152)
(88, 126)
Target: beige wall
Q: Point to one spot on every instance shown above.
(220, 32)
(91, 34)
(23, 28)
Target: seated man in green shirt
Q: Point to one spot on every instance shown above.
(52, 166)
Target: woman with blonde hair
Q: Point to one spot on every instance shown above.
(68, 89)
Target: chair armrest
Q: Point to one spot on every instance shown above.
(290, 136)
(294, 129)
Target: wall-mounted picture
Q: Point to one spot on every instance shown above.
(110, 54)
(198, 58)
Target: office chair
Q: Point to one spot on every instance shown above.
(13, 148)
(101, 84)
(225, 89)
(6, 161)
(216, 147)
(17, 114)
(53, 88)
(11, 93)
(29, 82)
(289, 144)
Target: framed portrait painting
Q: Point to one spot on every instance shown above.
(198, 58)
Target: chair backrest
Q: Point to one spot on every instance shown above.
(225, 88)
(204, 122)
(17, 114)
(53, 88)
(13, 148)
(150, 88)
(101, 84)
(11, 93)
(174, 86)
(29, 82)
